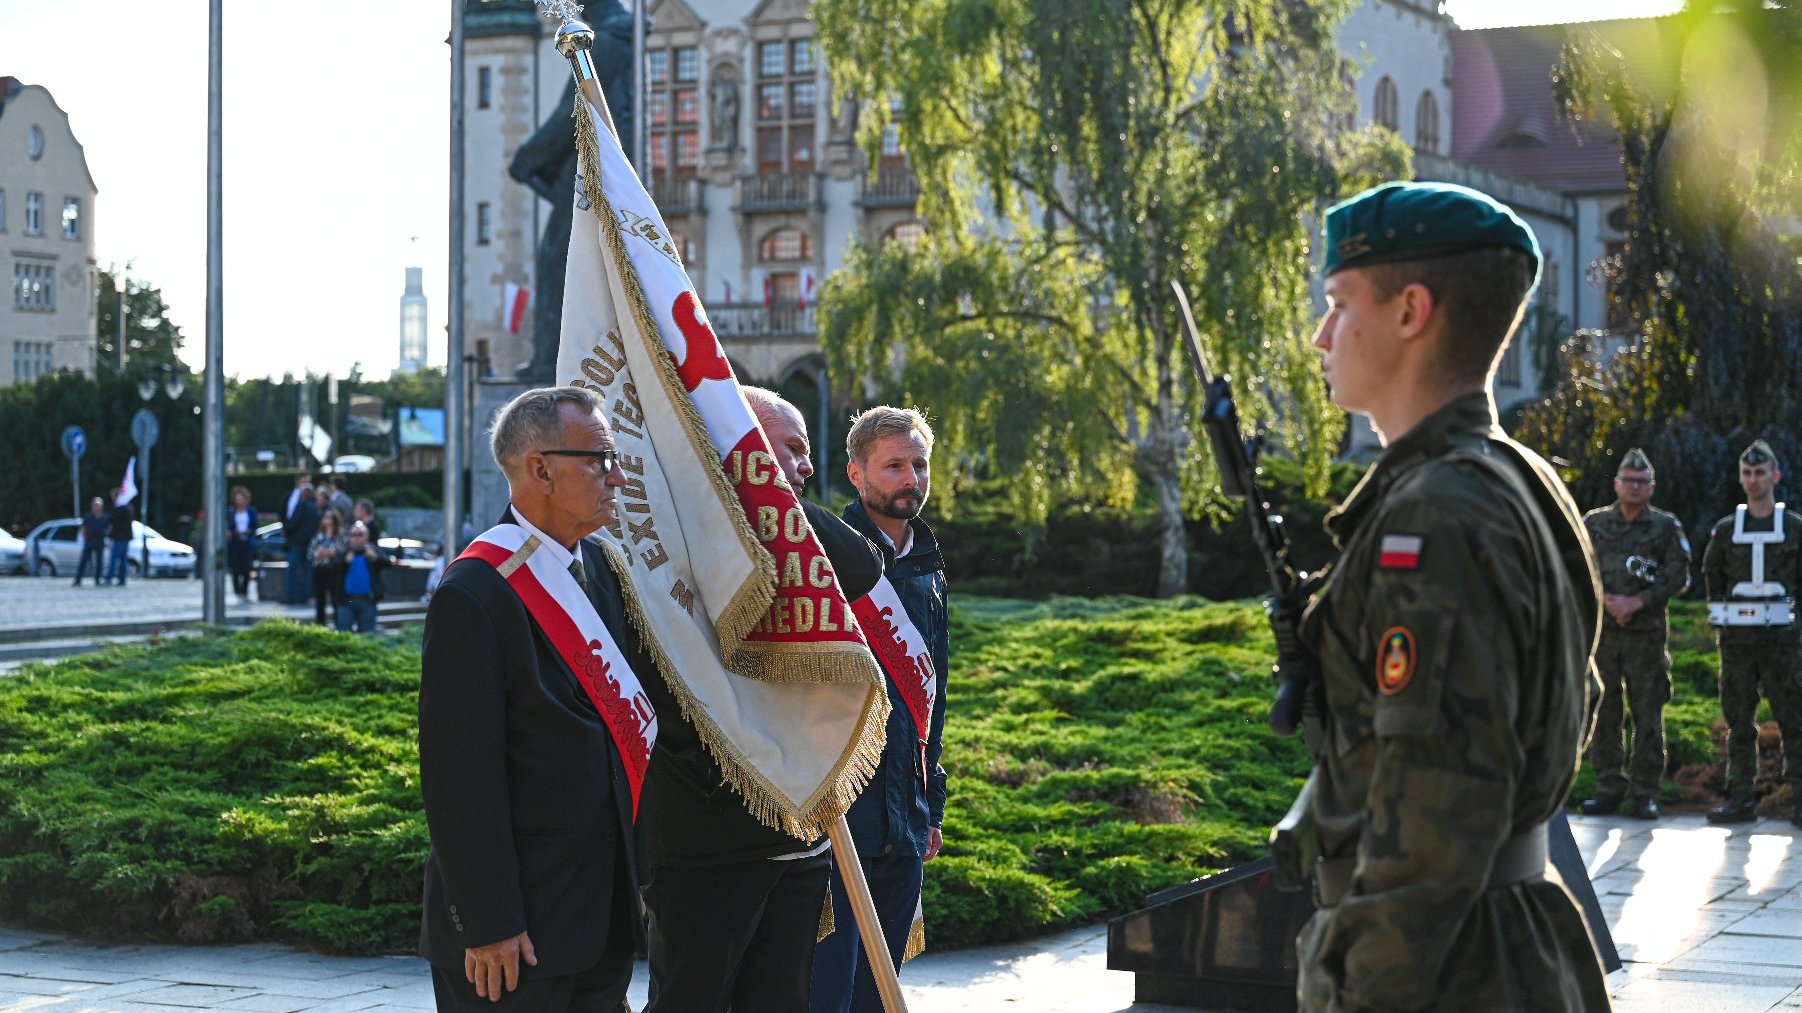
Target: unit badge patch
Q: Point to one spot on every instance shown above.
(1395, 660)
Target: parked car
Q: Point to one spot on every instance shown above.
(272, 545)
(54, 547)
(12, 553)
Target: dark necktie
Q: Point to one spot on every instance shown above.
(575, 570)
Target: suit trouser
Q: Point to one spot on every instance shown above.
(299, 578)
(1636, 670)
(1772, 662)
(599, 989)
(738, 936)
(842, 979)
(89, 550)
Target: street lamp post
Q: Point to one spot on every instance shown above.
(165, 378)
(213, 442)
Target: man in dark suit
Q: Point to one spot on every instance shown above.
(734, 905)
(530, 896)
(300, 522)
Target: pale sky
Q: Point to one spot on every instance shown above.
(336, 129)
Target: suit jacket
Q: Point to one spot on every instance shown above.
(527, 801)
(688, 814)
(302, 523)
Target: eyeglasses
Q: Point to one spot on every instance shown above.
(609, 459)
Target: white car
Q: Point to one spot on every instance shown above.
(54, 547)
(12, 553)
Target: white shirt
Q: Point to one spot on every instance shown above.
(293, 502)
(546, 543)
(904, 548)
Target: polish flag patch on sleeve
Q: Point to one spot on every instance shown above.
(1400, 552)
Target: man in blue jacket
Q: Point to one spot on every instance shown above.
(896, 822)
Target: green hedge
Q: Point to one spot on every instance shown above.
(264, 782)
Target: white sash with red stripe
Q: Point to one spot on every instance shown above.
(901, 648)
(566, 615)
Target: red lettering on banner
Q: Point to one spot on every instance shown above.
(703, 359)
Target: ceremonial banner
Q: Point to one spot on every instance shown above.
(727, 581)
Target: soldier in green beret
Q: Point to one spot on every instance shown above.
(1453, 637)
(1753, 570)
(1643, 556)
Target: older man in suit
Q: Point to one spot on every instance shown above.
(534, 733)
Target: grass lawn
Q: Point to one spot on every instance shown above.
(263, 783)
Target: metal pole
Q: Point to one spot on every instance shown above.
(144, 502)
(454, 406)
(213, 401)
(638, 82)
(825, 440)
(119, 349)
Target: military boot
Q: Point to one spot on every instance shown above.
(1604, 804)
(1736, 810)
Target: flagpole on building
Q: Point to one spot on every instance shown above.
(213, 395)
(455, 407)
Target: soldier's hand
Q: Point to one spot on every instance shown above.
(497, 964)
(1630, 605)
(935, 839)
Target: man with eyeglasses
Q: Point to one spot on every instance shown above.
(535, 732)
(1643, 556)
(1753, 569)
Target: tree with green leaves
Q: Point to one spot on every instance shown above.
(1708, 106)
(151, 339)
(1074, 157)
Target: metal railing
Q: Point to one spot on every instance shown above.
(778, 191)
(677, 196)
(894, 186)
(781, 319)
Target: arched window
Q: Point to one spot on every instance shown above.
(1387, 111)
(1426, 124)
(786, 244)
(908, 234)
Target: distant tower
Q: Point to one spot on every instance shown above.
(412, 324)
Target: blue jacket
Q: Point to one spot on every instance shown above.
(895, 811)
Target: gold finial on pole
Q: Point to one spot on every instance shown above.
(574, 40)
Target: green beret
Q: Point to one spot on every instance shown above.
(1411, 221)
(1759, 452)
(1634, 460)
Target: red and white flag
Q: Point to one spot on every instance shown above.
(806, 287)
(514, 300)
(735, 595)
(769, 292)
(128, 486)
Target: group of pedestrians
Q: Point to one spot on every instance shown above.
(106, 532)
(332, 553)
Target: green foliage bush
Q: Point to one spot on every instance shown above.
(264, 783)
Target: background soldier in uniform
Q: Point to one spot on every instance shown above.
(1643, 556)
(1453, 636)
(1753, 568)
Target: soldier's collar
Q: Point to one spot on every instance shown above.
(1471, 414)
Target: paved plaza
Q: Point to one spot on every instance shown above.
(1708, 919)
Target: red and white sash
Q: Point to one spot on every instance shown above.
(563, 611)
(901, 648)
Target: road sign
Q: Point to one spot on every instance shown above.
(144, 429)
(75, 442)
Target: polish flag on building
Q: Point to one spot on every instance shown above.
(806, 287)
(514, 300)
(728, 285)
(769, 292)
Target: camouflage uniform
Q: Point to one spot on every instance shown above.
(1635, 653)
(1454, 637)
(1758, 657)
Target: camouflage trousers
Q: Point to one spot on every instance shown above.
(1636, 670)
(1775, 667)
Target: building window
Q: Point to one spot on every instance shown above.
(1387, 111)
(484, 87)
(1507, 372)
(673, 133)
(770, 62)
(71, 217)
(786, 244)
(34, 213)
(908, 234)
(484, 227)
(1426, 124)
(32, 359)
(34, 143)
(891, 134)
(788, 100)
(34, 287)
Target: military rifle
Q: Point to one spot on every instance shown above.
(1295, 670)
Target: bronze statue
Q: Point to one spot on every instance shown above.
(546, 163)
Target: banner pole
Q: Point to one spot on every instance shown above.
(863, 909)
